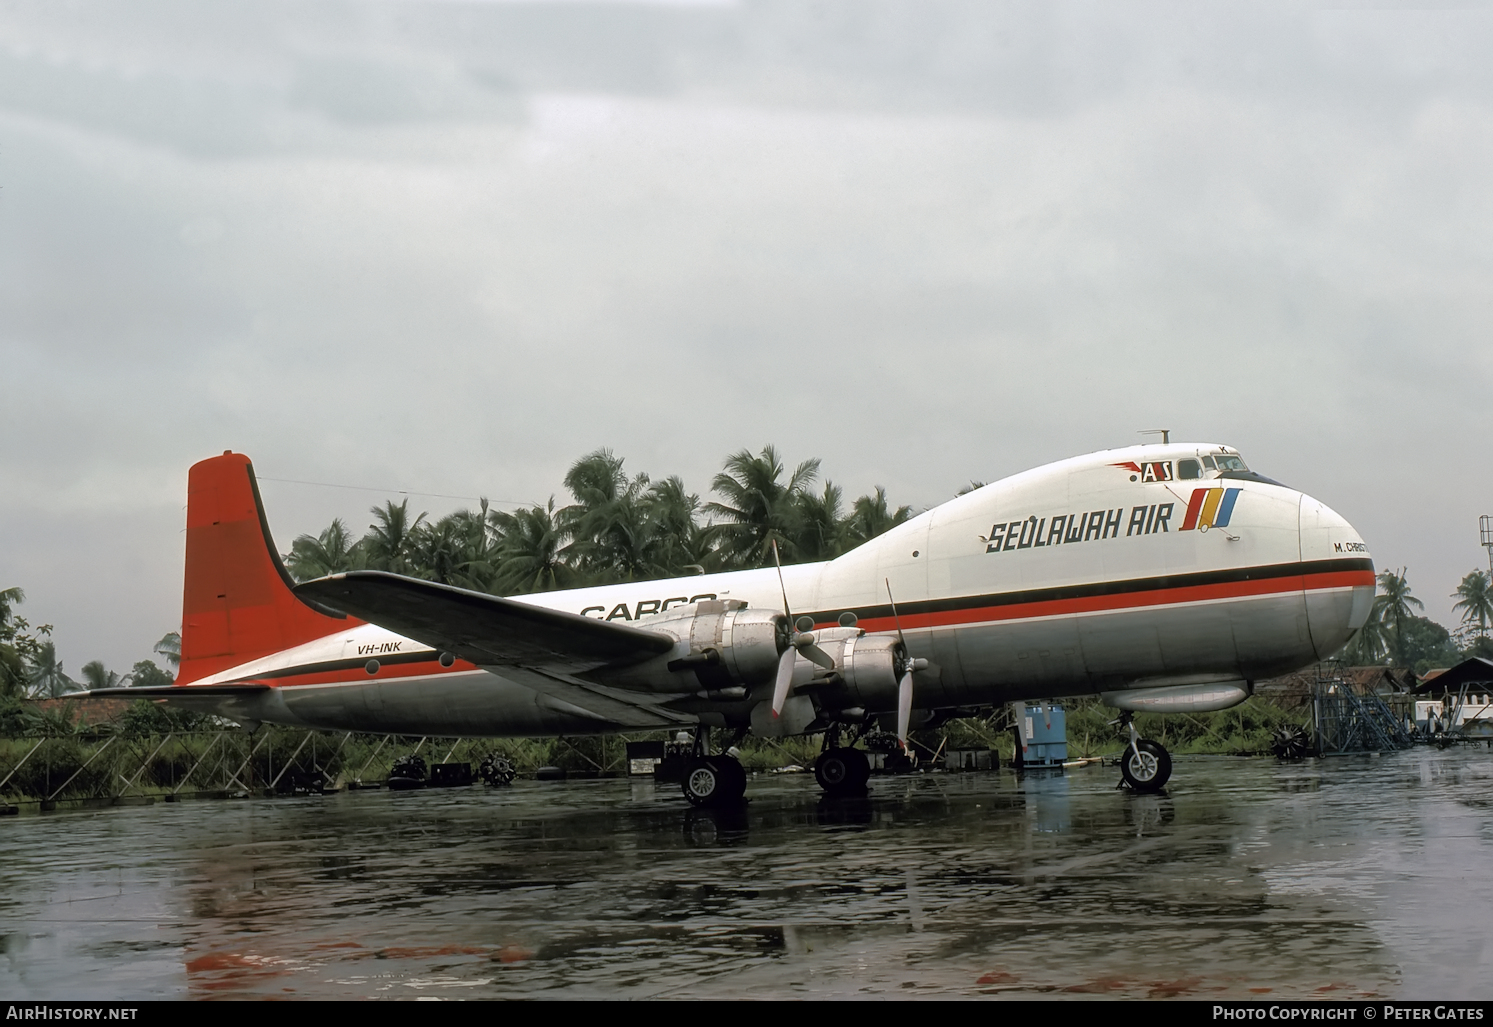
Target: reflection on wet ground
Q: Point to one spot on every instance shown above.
(1344, 878)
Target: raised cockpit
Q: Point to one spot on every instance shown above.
(1220, 462)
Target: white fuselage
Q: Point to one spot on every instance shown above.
(1080, 577)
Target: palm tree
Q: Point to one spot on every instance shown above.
(478, 561)
(45, 674)
(870, 517)
(608, 523)
(1369, 646)
(759, 508)
(9, 599)
(19, 643)
(677, 543)
(821, 528)
(530, 550)
(96, 675)
(170, 647)
(331, 552)
(388, 543)
(1476, 601)
(440, 551)
(1393, 607)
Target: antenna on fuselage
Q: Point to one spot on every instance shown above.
(1165, 433)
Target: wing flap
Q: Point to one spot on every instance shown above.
(627, 710)
(484, 629)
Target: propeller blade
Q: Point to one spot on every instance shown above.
(904, 684)
(817, 655)
(778, 560)
(904, 706)
(785, 679)
(895, 619)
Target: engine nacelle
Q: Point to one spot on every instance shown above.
(869, 667)
(722, 644)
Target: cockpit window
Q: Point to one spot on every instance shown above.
(1230, 463)
(1208, 463)
(1188, 469)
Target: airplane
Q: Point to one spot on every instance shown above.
(1160, 577)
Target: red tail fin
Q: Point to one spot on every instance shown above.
(236, 604)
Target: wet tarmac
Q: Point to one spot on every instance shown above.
(1345, 878)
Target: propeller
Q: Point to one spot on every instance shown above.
(798, 642)
(904, 683)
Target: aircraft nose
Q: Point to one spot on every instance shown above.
(1337, 576)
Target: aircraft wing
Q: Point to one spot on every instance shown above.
(487, 630)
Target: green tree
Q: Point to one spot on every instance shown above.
(170, 647)
(96, 675)
(390, 542)
(479, 558)
(608, 525)
(45, 676)
(758, 507)
(1393, 607)
(10, 598)
(1424, 644)
(531, 540)
(1475, 599)
(148, 674)
(871, 516)
(331, 552)
(440, 551)
(20, 644)
(677, 543)
(821, 529)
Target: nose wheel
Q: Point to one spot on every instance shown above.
(1145, 765)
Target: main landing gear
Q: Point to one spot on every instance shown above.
(718, 780)
(1145, 765)
(840, 769)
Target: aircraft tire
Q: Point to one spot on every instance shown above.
(735, 778)
(862, 766)
(714, 781)
(842, 770)
(1149, 769)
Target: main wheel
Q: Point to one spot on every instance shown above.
(714, 781)
(842, 770)
(1146, 766)
(735, 775)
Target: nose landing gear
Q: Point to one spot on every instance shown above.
(1145, 765)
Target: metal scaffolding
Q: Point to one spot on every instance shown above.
(1349, 722)
(116, 768)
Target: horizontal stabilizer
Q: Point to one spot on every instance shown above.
(236, 702)
(483, 629)
(168, 692)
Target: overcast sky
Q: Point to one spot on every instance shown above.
(451, 247)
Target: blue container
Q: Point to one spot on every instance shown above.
(1044, 733)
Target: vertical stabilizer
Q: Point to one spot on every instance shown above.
(237, 603)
